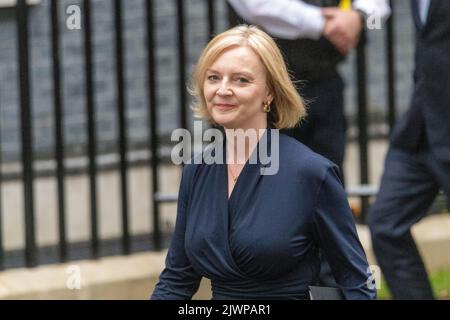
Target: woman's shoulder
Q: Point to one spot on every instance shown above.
(299, 156)
(194, 165)
(190, 169)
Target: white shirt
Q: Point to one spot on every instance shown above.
(424, 5)
(292, 19)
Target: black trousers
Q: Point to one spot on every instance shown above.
(410, 183)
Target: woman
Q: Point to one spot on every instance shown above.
(257, 236)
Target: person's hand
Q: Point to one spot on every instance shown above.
(342, 28)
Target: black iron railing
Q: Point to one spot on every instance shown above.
(27, 177)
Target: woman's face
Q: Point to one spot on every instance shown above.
(235, 89)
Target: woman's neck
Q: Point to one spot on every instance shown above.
(241, 143)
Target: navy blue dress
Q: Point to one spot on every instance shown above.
(262, 242)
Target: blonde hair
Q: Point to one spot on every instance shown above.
(288, 108)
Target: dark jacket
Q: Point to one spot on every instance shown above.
(428, 119)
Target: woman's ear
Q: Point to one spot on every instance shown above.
(269, 98)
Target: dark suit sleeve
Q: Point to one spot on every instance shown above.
(335, 229)
(178, 280)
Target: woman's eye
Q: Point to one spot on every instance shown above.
(213, 77)
(242, 80)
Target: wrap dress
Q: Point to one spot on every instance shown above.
(263, 241)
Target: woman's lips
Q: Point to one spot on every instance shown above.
(224, 105)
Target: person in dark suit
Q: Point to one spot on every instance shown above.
(417, 164)
(256, 234)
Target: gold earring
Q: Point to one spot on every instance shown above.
(266, 107)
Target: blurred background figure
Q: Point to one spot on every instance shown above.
(418, 161)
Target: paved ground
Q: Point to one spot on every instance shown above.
(134, 276)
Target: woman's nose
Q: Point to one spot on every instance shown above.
(224, 89)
